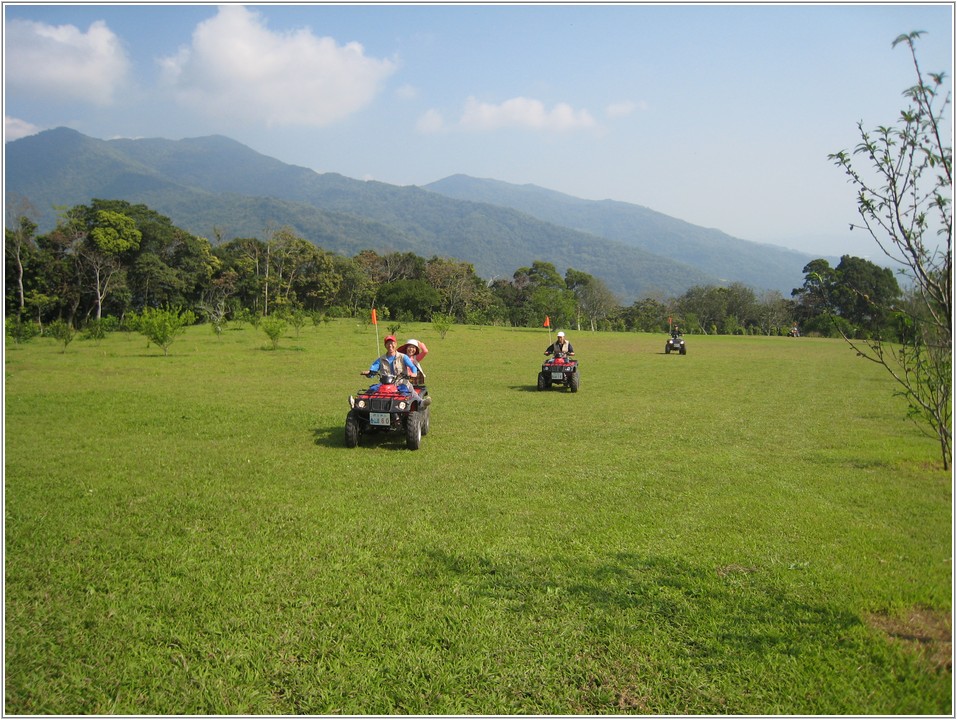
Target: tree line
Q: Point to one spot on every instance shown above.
(112, 259)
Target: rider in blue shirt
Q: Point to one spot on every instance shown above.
(392, 363)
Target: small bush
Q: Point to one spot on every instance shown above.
(21, 330)
(98, 328)
(442, 322)
(274, 326)
(162, 326)
(61, 331)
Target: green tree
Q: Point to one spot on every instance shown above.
(20, 329)
(707, 304)
(442, 322)
(904, 199)
(646, 315)
(106, 236)
(811, 304)
(62, 331)
(594, 302)
(773, 312)
(19, 250)
(162, 326)
(456, 282)
(410, 299)
(274, 326)
(864, 293)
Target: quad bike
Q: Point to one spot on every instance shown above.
(559, 370)
(677, 343)
(386, 407)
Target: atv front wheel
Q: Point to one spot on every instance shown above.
(413, 431)
(683, 351)
(542, 381)
(352, 430)
(573, 381)
(425, 422)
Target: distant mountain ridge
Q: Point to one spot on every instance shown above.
(729, 258)
(216, 187)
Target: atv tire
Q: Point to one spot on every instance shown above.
(425, 422)
(413, 431)
(573, 382)
(542, 381)
(352, 430)
(683, 351)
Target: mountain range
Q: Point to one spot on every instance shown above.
(220, 189)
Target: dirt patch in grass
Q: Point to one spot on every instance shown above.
(925, 632)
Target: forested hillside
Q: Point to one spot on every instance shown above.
(730, 259)
(217, 188)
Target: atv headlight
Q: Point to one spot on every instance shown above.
(361, 403)
(402, 405)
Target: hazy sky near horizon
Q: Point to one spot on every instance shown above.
(720, 115)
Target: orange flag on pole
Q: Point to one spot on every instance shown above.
(375, 320)
(547, 323)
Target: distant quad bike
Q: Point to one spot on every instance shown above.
(676, 343)
(559, 371)
(388, 407)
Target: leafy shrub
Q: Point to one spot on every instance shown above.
(20, 330)
(297, 318)
(442, 322)
(97, 328)
(62, 332)
(162, 325)
(274, 326)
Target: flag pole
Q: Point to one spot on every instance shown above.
(375, 322)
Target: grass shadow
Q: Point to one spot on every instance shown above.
(334, 437)
(663, 599)
(524, 388)
(328, 436)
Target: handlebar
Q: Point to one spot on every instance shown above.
(386, 377)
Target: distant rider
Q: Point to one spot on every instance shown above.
(561, 347)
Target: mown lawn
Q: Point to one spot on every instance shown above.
(752, 528)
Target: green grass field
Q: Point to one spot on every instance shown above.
(752, 528)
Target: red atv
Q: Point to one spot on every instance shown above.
(388, 406)
(559, 371)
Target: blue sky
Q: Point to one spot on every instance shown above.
(720, 115)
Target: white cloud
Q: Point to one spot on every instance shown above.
(620, 109)
(62, 62)
(407, 92)
(236, 67)
(430, 122)
(523, 113)
(15, 128)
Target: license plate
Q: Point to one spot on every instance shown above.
(380, 419)
(558, 375)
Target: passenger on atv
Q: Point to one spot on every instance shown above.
(415, 351)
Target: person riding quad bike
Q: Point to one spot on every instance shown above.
(562, 368)
(561, 347)
(676, 342)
